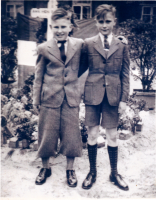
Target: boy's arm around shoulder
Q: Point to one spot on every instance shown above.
(83, 59)
(125, 74)
(39, 73)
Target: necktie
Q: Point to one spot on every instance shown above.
(62, 50)
(106, 44)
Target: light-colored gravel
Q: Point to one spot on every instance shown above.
(137, 163)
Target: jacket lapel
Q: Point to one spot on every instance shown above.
(53, 49)
(113, 47)
(99, 47)
(71, 49)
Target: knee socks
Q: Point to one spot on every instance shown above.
(113, 157)
(92, 153)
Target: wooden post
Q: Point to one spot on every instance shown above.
(52, 5)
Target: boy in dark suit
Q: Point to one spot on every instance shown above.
(106, 90)
(57, 96)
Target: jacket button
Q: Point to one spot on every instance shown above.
(65, 75)
(104, 62)
(104, 85)
(65, 66)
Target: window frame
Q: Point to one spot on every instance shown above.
(83, 5)
(14, 4)
(151, 11)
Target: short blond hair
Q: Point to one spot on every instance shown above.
(103, 9)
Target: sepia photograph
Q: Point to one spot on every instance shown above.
(78, 99)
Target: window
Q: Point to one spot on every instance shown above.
(13, 8)
(148, 13)
(86, 12)
(82, 9)
(10, 11)
(77, 11)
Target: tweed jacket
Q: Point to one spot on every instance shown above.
(108, 71)
(54, 78)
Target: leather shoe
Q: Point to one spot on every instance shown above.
(88, 182)
(71, 178)
(41, 178)
(118, 181)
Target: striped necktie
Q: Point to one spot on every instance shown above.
(106, 44)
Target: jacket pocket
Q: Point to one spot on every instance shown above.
(88, 91)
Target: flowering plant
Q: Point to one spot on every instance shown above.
(130, 118)
(18, 109)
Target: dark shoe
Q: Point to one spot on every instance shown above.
(41, 178)
(88, 182)
(71, 178)
(118, 181)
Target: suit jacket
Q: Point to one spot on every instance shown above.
(108, 71)
(54, 78)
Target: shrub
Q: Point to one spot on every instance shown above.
(8, 48)
(18, 109)
(142, 47)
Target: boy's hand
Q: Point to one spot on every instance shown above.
(122, 107)
(37, 107)
(123, 39)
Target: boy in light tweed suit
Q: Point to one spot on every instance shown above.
(57, 96)
(106, 90)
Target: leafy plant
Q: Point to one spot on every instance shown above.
(40, 35)
(84, 134)
(130, 118)
(18, 109)
(8, 48)
(142, 47)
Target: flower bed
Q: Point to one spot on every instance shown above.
(130, 119)
(22, 119)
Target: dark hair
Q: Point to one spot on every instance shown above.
(103, 9)
(60, 13)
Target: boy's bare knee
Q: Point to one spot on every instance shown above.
(111, 134)
(92, 137)
(93, 132)
(113, 139)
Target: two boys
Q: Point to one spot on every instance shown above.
(56, 89)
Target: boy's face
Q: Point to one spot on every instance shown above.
(105, 26)
(61, 28)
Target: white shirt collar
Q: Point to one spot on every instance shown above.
(66, 39)
(110, 37)
(66, 44)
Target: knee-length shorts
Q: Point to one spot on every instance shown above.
(103, 114)
(63, 123)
